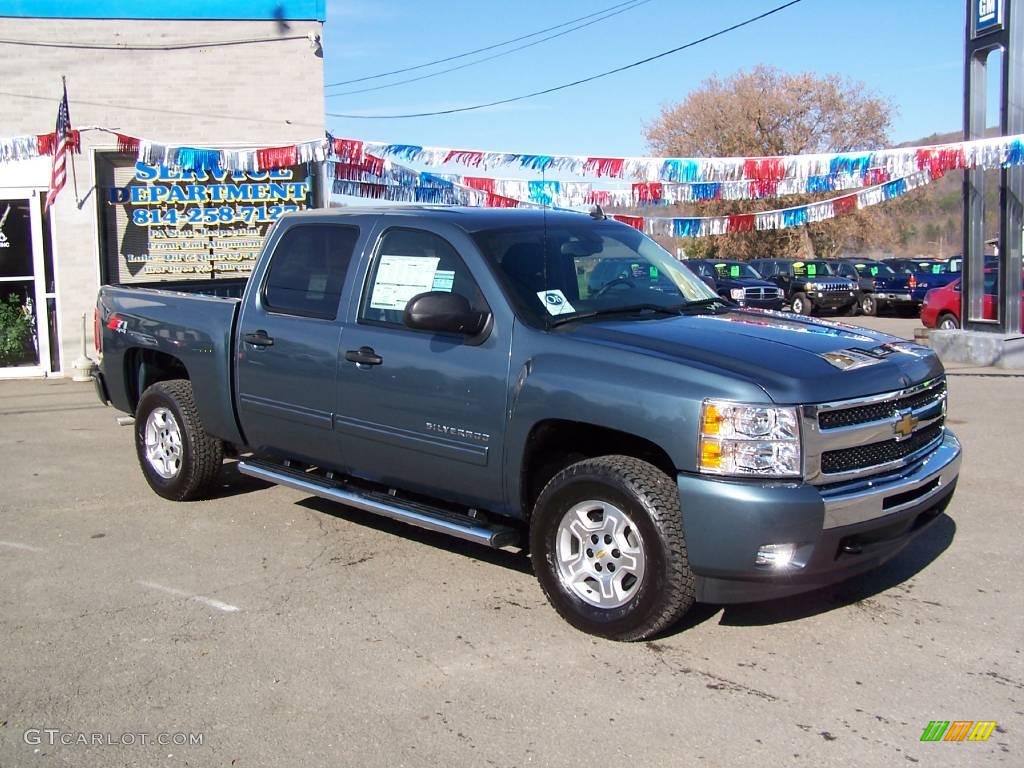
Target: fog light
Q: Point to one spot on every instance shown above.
(776, 555)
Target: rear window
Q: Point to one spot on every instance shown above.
(307, 270)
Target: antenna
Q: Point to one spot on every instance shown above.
(597, 213)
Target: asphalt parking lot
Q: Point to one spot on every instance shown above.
(287, 631)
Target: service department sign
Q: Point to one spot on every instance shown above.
(167, 224)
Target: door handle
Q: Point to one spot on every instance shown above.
(363, 356)
(258, 339)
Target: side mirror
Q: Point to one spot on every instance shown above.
(443, 312)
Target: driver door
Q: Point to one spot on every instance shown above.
(415, 406)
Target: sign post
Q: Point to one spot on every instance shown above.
(993, 25)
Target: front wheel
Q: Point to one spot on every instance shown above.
(868, 305)
(178, 458)
(801, 304)
(608, 548)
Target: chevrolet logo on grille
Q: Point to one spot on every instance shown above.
(905, 425)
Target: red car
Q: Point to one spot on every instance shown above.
(941, 307)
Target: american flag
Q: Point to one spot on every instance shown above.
(58, 174)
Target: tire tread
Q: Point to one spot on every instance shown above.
(659, 497)
(206, 452)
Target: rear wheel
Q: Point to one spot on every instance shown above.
(608, 548)
(948, 322)
(801, 304)
(868, 305)
(179, 459)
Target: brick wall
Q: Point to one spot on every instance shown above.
(255, 93)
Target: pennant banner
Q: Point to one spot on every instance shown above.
(895, 163)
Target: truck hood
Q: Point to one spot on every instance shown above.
(788, 356)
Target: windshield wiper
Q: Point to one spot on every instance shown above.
(710, 301)
(673, 309)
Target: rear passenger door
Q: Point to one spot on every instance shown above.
(288, 339)
(420, 410)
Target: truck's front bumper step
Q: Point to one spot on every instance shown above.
(461, 526)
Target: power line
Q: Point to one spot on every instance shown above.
(562, 87)
(150, 46)
(635, 4)
(478, 50)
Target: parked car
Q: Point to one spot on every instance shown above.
(942, 306)
(879, 286)
(454, 369)
(924, 274)
(740, 282)
(810, 287)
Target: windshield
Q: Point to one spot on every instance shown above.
(812, 268)
(874, 270)
(735, 270)
(595, 266)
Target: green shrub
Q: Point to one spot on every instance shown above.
(15, 331)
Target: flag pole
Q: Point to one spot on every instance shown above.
(74, 175)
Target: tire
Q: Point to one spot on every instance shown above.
(636, 506)
(868, 305)
(801, 304)
(851, 310)
(179, 459)
(947, 322)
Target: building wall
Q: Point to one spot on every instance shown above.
(268, 93)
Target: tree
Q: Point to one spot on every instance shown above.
(766, 112)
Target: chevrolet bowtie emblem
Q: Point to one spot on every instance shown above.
(905, 425)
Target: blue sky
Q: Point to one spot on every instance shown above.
(910, 51)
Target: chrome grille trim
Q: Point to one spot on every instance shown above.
(760, 294)
(818, 441)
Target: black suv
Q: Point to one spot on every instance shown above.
(740, 282)
(810, 286)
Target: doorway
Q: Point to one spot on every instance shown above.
(28, 302)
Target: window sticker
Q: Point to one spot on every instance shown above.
(317, 285)
(734, 270)
(444, 280)
(555, 302)
(399, 278)
(812, 270)
(652, 272)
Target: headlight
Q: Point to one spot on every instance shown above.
(811, 286)
(738, 439)
(737, 294)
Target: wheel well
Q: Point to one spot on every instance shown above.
(556, 443)
(144, 367)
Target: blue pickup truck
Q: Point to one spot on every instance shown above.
(488, 374)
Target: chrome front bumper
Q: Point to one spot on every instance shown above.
(883, 495)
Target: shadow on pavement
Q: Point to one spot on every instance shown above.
(515, 560)
(234, 483)
(913, 559)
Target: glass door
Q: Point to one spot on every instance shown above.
(24, 334)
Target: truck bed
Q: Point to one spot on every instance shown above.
(189, 321)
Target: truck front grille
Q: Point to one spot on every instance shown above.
(849, 459)
(854, 439)
(762, 294)
(864, 414)
(832, 286)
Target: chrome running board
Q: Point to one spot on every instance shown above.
(403, 510)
